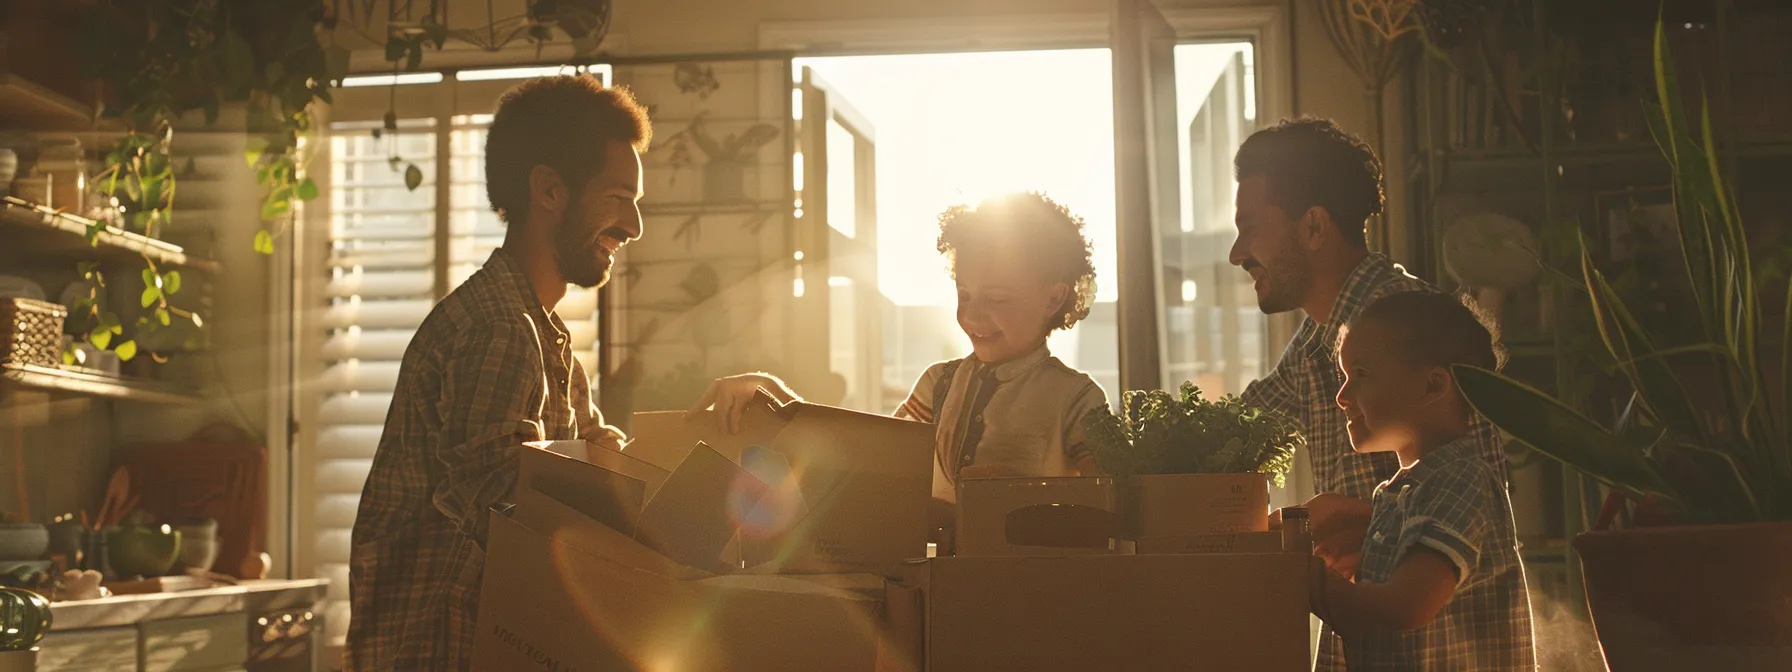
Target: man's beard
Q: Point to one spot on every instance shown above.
(581, 257)
(1286, 285)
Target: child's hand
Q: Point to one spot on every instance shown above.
(1339, 524)
(731, 395)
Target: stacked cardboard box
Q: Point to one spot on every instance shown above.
(797, 544)
(765, 550)
(1209, 587)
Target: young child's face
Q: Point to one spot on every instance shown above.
(1004, 304)
(1382, 395)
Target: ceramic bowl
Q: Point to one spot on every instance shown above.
(23, 541)
(198, 544)
(143, 550)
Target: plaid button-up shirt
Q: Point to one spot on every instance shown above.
(1305, 385)
(1452, 502)
(488, 370)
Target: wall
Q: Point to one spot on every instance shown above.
(1323, 85)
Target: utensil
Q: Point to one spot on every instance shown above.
(118, 501)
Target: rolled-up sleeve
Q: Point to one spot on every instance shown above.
(491, 388)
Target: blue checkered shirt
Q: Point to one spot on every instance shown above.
(1451, 502)
(1305, 385)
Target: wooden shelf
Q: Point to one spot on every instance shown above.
(42, 230)
(26, 105)
(26, 376)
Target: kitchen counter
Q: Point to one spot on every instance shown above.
(252, 596)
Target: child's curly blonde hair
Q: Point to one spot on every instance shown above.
(1030, 224)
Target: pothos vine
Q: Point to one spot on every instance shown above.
(164, 59)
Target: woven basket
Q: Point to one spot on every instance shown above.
(33, 332)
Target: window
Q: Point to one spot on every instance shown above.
(388, 254)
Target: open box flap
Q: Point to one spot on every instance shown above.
(610, 496)
(697, 511)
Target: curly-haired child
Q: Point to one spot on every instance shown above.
(1023, 270)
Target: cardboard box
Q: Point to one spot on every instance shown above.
(1036, 516)
(1222, 611)
(1238, 542)
(563, 591)
(847, 491)
(1179, 506)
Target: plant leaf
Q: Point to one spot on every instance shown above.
(171, 282)
(414, 59)
(1554, 429)
(275, 208)
(1660, 389)
(100, 337)
(163, 316)
(126, 350)
(307, 190)
(149, 296)
(390, 121)
(149, 277)
(413, 177)
(264, 242)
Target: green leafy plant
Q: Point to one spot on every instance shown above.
(1161, 433)
(163, 59)
(1705, 437)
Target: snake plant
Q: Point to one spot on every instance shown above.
(1706, 436)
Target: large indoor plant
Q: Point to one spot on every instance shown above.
(1191, 466)
(1702, 452)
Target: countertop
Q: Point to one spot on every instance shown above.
(248, 596)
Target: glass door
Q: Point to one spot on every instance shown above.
(837, 197)
(1145, 179)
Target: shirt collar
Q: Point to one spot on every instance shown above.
(508, 272)
(1464, 447)
(1370, 274)
(1012, 369)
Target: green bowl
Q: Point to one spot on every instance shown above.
(141, 550)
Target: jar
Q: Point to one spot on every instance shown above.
(66, 163)
(1297, 530)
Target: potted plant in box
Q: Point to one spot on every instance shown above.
(1190, 466)
(1703, 454)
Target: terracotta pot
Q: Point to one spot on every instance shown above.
(1710, 597)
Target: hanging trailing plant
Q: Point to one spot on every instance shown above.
(164, 59)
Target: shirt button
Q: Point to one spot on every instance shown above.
(560, 341)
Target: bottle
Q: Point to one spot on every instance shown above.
(1297, 530)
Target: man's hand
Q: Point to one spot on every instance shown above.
(730, 396)
(1339, 524)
